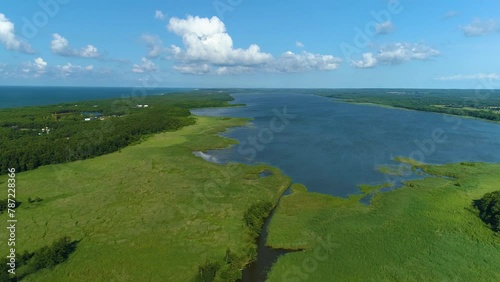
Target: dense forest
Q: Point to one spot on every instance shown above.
(34, 136)
(489, 209)
(483, 104)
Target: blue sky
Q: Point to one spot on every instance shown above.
(251, 43)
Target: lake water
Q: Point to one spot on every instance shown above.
(332, 146)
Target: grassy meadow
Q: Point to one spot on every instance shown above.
(425, 231)
(150, 212)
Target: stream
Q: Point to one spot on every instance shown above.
(257, 270)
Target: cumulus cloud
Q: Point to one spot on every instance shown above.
(401, 52)
(208, 48)
(154, 45)
(60, 46)
(145, 66)
(299, 44)
(40, 64)
(384, 28)
(159, 15)
(480, 28)
(305, 61)
(477, 76)
(368, 61)
(396, 53)
(74, 70)
(206, 40)
(9, 39)
(37, 67)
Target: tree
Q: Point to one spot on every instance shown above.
(489, 209)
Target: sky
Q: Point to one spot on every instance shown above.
(251, 43)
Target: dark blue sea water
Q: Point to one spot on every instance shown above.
(19, 96)
(332, 147)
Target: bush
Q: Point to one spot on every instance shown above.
(208, 271)
(255, 216)
(489, 209)
(228, 269)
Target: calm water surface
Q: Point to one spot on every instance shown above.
(332, 147)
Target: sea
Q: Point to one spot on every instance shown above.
(21, 96)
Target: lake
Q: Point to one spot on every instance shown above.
(332, 147)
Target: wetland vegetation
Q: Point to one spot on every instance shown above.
(149, 205)
(427, 230)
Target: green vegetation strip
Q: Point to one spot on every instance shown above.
(428, 230)
(479, 103)
(151, 212)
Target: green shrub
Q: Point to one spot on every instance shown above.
(255, 216)
(489, 209)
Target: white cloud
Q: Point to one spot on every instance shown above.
(384, 28)
(368, 61)
(401, 52)
(74, 70)
(291, 62)
(234, 70)
(208, 48)
(60, 46)
(396, 53)
(477, 76)
(159, 15)
(154, 45)
(89, 52)
(207, 41)
(9, 39)
(299, 44)
(37, 67)
(40, 64)
(450, 14)
(145, 66)
(479, 27)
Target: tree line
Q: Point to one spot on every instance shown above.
(46, 257)
(25, 146)
(454, 102)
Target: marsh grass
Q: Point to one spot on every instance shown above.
(425, 231)
(151, 212)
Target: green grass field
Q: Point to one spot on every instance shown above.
(151, 212)
(425, 231)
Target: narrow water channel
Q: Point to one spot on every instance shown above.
(266, 256)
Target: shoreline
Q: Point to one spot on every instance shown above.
(406, 109)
